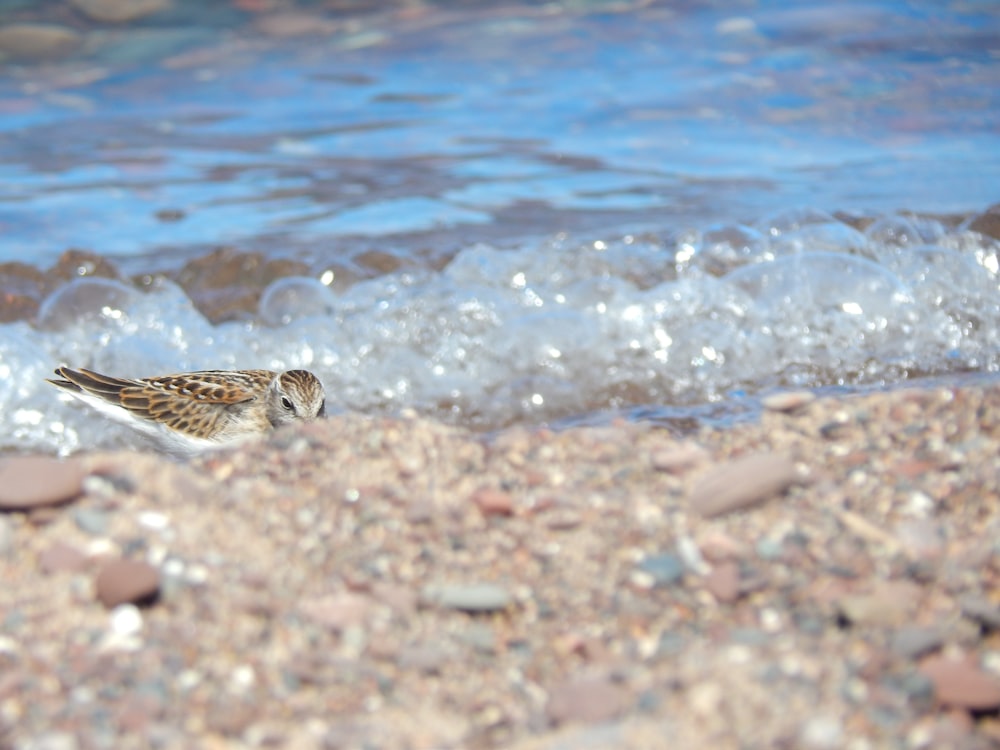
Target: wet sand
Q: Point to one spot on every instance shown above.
(826, 578)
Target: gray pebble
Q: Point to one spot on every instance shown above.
(6, 536)
(912, 642)
(665, 569)
(981, 610)
(480, 637)
(770, 549)
(469, 597)
(92, 520)
(822, 733)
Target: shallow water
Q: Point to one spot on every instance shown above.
(527, 213)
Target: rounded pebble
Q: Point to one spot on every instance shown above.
(92, 520)
(28, 482)
(124, 581)
(126, 620)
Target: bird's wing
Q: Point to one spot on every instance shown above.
(179, 401)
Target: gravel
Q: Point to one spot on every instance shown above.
(531, 590)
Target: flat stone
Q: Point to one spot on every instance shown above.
(742, 483)
(587, 700)
(37, 41)
(28, 482)
(61, 557)
(961, 684)
(119, 11)
(470, 597)
(126, 581)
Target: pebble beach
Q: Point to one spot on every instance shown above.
(826, 577)
(661, 342)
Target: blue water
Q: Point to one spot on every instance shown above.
(594, 206)
(458, 122)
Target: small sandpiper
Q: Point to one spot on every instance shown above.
(192, 411)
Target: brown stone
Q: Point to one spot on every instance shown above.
(37, 41)
(742, 483)
(493, 502)
(22, 287)
(76, 263)
(124, 581)
(724, 582)
(988, 222)
(28, 482)
(119, 11)
(226, 284)
(961, 684)
(293, 24)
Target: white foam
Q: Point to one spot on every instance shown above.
(549, 329)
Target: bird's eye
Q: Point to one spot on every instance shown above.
(286, 403)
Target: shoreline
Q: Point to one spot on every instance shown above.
(826, 577)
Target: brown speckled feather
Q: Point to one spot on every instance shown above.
(211, 405)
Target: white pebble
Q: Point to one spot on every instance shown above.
(153, 520)
(126, 620)
(822, 733)
(243, 677)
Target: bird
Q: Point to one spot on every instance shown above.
(189, 412)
